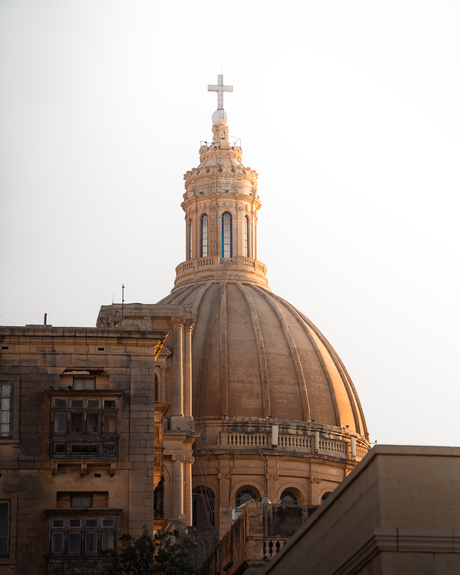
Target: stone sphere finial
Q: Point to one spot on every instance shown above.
(220, 118)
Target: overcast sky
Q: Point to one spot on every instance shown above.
(349, 111)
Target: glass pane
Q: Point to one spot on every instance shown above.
(58, 523)
(3, 519)
(5, 428)
(60, 422)
(77, 403)
(76, 422)
(77, 383)
(109, 403)
(108, 540)
(93, 403)
(5, 416)
(108, 523)
(6, 390)
(74, 542)
(5, 403)
(90, 542)
(89, 383)
(109, 424)
(3, 545)
(92, 423)
(75, 523)
(91, 523)
(57, 543)
(81, 501)
(60, 403)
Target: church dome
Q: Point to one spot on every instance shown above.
(255, 355)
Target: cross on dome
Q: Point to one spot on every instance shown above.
(220, 89)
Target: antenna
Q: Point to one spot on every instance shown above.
(122, 301)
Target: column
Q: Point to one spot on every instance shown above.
(178, 483)
(188, 489)
(188, 410)
(177, 415)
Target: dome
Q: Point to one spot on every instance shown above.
(255, 355)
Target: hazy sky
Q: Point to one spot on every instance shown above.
(348, 110)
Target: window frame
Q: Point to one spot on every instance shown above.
(9, 411)
(83, 516)
(7, 530)
(224, 251)
(204, 246)
(101, 442)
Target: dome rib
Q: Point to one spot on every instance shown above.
(301, 383)
(305, 327)
(196, 304)
(358, 417)
(264, 380)
(223, 351)
(200, 408)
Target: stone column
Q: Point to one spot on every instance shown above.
(177, 412)
(178, 485)
(188, 490)
(188, 410)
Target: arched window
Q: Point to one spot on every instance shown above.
(203, 506)
(288, 498)
(245, 495)
(325, 496)
(246, 237)
(190, 246)
(204, 236)
(226, 235)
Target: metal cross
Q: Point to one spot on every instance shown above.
(220, 89)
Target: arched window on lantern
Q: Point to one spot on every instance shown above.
(204, 236)
(190, 245)
(227, 239)
(246, 237)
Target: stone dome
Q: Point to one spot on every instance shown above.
(255, 355)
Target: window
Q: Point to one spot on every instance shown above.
(84, 427)
(4, 527)
(84, 383)
(245, 495)
(204, 236)
(82, 535)
(82, 499)
(203, 505)
(226, 235)
(246, 237)
(288, 498)
(190, 244)
(6, 399)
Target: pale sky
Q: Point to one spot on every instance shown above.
(348, 110)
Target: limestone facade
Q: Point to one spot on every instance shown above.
(79, 425)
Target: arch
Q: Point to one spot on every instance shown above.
(296, 490)
(324, 496)
(227, 235)
(246, 237)
(245, 494)
(204, 236)
(203, 506)
(288, 498)
(190, 242)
